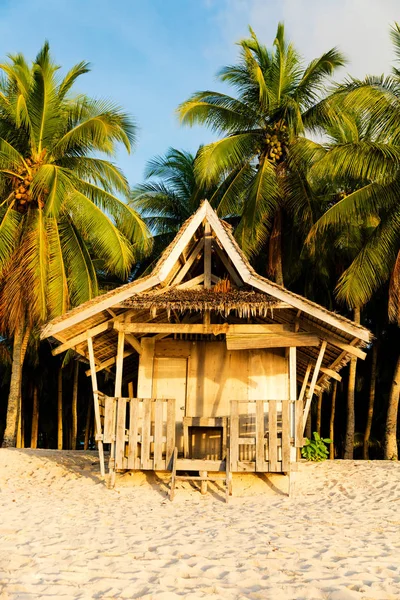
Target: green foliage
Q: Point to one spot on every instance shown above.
(316, 449)
(276, 100)
(62, 207)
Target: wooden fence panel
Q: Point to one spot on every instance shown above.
(133, 433)
(120, 434)
(234, 435)
(298, 424)
(260, 439)
(170, 445)
(272, 436)
(145, 462)
(158, 434)
(109, 426)
(286, 406)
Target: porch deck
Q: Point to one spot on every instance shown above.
(258, 436)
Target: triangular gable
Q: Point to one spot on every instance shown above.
(169, 264)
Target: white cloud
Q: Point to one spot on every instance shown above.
(360, 28)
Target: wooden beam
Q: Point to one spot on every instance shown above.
(239, 261)
(314, 381)
(191, 283)
(109, 363)
(213, 329)
(207, 256)
(82, 337)
(227, 264)
(93, 307)
(120, 364)
(96, 404)
(134, 343)
(192, 257)
(269, 340)
(331, 373)
(183, 241)
(332, 340)
(101, 328)
(305, 381)
(310, 308)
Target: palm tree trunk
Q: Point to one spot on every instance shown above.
(13, 407)
(308, 430)
(35, 418)
(332, 422)
(59, 411)
(391, 451)
(275, 249)
(370, 413)
(75, 406)
(319, 412)
(18, 443)
(350, 428)
(87, 429)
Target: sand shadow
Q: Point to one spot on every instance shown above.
(84, 463)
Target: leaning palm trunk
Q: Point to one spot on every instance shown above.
(75, 407)
(35, 418)
(370, 414)
(391, 452)
(87, 428)
(350, 428)
(59, 411)
(14, 398)
(332, 423)
(275, 249)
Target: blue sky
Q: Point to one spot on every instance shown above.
(150, 55)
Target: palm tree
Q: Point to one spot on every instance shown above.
(374, 162)
(170, 195)
(59, 210)
(276, 101)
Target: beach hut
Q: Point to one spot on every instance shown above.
(215, 366)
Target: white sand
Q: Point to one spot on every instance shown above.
(64, 535)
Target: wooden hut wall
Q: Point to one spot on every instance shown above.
(204, 377)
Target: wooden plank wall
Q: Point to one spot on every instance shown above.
(205, 377)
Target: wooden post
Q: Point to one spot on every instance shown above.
(75, 406)
(96, 405)
(292, 389)
(203, 483)
(35, 417)
(207, 255)
(130, 389)
(319, 411)
(314, 380)
(332, 422)
(119, 365)
(305, 381)
(120, 417)
(59, 410)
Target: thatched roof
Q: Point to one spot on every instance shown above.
(156, 297)
(245, 302)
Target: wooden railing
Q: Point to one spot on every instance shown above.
(141, 432)
(261, 440)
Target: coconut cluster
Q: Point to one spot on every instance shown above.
(276, 141)
(23, 186)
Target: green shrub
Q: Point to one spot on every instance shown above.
(315, 449)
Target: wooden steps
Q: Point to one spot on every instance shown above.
(202, 467)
